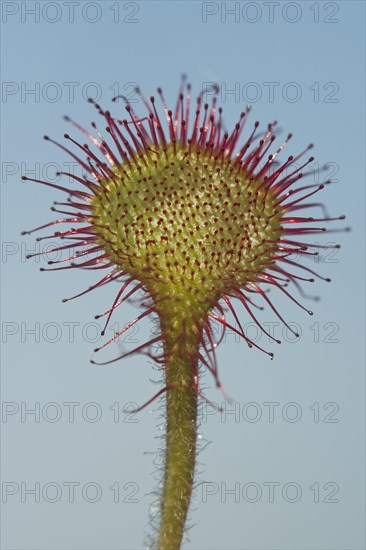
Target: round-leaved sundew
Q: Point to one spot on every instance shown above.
(198, 220)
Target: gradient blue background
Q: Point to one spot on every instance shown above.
(168, 39)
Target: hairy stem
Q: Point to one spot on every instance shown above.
(180, 348)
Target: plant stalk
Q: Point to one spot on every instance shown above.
(181, 347)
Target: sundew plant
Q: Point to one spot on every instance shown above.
(202, 223)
